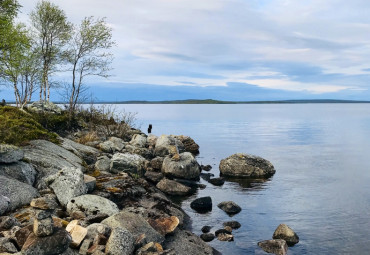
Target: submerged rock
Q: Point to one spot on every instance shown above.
(286, 233)
(244, 165)
(276, 246)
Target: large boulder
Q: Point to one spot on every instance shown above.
(184, 166)
(88, 153)
(20, 171)
(10, 153)
(138, 141)
(276, 246)
(244, 165)
(113, 144)
(92, 205)
(127, 162)
(17, 192)
(174, 188)
(189, 144)
(135, 224)
(284, 232)
(48, 158)
(67, 184)
(120, 242)
(44, 106)
(167, 145)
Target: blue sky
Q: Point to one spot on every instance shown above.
(231, 49)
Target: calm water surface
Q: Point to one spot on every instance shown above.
(321, 188)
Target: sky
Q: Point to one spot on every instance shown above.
(230, 49)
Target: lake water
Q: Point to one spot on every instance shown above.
(321, 153)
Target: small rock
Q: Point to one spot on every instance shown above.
(113, 144)
(202, 204)
(225, 237)
(229, 207)
(228, 228)
(153, 177)
(43, 227)
(78, 234)
(71, 225)
(150, 248)
(120, 242)
(7, 222)
(85, 246)
(10, 153)
(232, 224)
(189, 144)
(138, 140)
(222, 231)
(156, 163)
(103, 164)
(172, 187)
(206, 168)
(22, 234)
(4, 204)
(165, 225)
(90, 183)
(7, 246)
(206, 176)
(44, 106)
(217, 181)
(92, 205)
(44, 203)
(42, 214)
(206, 229)
(276, 246)
(97, 218)
(286, 233)
(78, 215)
(207, 237)
(20, 171)
(97, 229)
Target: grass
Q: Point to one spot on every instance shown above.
(18, 127)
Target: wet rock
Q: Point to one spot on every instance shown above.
(20, 171)
(126, 162)
(90, 183)
(44, 203)
(103, 164)
(165, 225)
(112, 145)
(92, 205)
(229, 207)
(54, 244)
(202, 204)
(222, 231)
(206, 229)
(68, 183)
(17, 192)
(232, 224)
(244, 165)
(10, 153)
(206, 167)
(185, 167)
(172, 187)
(138, 140)
(43, 227)
(217, 181)
(189, 144)
(206, 176)
(4, 204)
(156, 163)
(120, 242)
(44, 106)
(135, 224)
(207, 237)
(228, 228)
(286, 233)
(153, 177)
(7, 246)
(276, 246)
(225, 237)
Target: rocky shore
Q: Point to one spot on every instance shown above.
(111, 196)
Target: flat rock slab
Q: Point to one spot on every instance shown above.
(19, 193)
(135, 224)
(10, 153)
(92, 205)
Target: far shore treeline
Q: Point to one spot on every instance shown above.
(31, 57)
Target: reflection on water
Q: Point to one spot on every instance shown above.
(320, 153)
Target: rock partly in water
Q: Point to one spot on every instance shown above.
(174, 188)
(127, 162)
(229, 207)
(120, 242)
(135, 224)
(233, 224)
(206, 229)
(184, 166)
(44, 106)
(92, 205)
(202, 204)
(17, 192)
(207, 237)
(286, 233)
(4, 204)
(189, 144)
(67, 184)
(244, 165)
(276, 246)
(10, 153)
(217, 181)
(20, 171)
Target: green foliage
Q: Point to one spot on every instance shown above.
(58, 123)
(18, 127)
(8, 10)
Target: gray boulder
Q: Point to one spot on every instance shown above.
(276, 246)
(284, 232)
(126, 162)
(19, 193)
(67, 184)
(4, 204)
(189, 144)
(135, 224)
(151, 140)
(45, 106)
(167, 145)
(92, 205)
(120, 242)
(244, 165)
(113, 144)
(10, 153)
(102, 164)
(185, 166)
(48, 158)
(7, 246)
(20, 171)
(88, 153)
(138, 141)
(174, 188)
